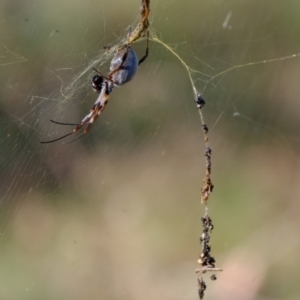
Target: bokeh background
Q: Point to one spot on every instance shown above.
(116, 214)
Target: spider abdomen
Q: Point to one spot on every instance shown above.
(129, 67)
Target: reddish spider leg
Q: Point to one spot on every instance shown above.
(96, 110)
(89, 119)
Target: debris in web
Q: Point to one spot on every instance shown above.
(206, 261)
(142, 26)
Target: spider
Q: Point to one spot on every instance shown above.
(123, 67)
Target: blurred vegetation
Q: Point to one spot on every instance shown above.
(116, 215)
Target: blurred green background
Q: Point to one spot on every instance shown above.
(116, 214)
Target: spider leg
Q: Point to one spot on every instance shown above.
(89, 119)
(120, 66)
(147, 50)
(59, 123)
(65, 143)
(95, 112)
(60, 138)
(86, 130)
(78, 126)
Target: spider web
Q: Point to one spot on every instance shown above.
(116, 213)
